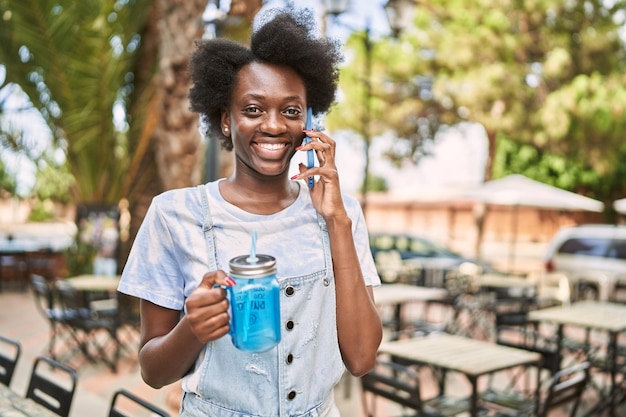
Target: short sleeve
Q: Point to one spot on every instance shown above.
(152, 271)
(361, 242)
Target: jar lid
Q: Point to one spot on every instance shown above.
(243, 266)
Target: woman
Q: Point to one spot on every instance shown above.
(255, 100)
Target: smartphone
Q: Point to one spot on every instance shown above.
(309, 154)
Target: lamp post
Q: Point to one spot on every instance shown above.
(399, 15)
(214, 20)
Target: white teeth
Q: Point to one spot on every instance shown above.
(272, 146)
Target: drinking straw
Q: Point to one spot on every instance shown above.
(252, 257)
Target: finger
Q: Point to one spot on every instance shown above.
(214, 278)
(324, 151)
(321, 137)
(310, 172)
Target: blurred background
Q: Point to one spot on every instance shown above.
(472, 132)
(436, 98)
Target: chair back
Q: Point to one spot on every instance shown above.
(566, 387)
(43, 294)
(116, 410)
(70, 298)
(553, 287)
(551, 358)
(394, 382)
(10, 352)
(49, 389)
(462, 280)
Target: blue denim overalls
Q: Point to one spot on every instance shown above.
(293, 379)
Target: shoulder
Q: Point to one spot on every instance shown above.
(177, 200)
(175, 207)
(176, 196)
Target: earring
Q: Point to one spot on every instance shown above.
(226, 130)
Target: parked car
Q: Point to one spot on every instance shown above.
(592, 256)
(398, 256)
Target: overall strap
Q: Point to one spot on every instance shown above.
(207, 228)
(328, 263)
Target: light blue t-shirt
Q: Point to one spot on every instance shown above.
(169, 258)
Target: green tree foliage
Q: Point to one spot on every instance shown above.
(8, 182)
(73, 60)
(386, 86)
(546, 78)
(53, 182)
(547, 75)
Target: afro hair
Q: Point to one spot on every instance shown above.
(284, 36)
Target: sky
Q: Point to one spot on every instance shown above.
(457, 158)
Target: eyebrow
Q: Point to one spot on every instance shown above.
(261, 96)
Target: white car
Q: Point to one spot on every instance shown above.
(592, 256)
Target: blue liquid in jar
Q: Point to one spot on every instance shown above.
(255, 305)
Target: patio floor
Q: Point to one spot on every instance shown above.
(20, 320)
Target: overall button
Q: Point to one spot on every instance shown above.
(291, 395)
(290, 291)
(289, 325)
(289, 359)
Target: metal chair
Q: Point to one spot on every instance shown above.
(8, 360)
(401, 385)
(116, 411)
(50, 390)
(566, 388)
(530, 340)
(129, 330)
(95, 331)
(44, 295)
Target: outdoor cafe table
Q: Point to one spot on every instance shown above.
(397, 295)
(590, 315)
(496, 281)
(473, 358)
(14, 405)
(94, 282)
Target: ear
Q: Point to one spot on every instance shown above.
(225, 123)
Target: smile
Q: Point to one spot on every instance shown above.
(272, 146)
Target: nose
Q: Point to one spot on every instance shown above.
(273, 123)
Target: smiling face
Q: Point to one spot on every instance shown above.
(265, 119)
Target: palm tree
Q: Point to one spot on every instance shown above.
(78, 61)
(73, 60)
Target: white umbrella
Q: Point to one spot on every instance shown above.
(620, 205)
(519, 191)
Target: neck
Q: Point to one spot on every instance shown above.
(267, 196)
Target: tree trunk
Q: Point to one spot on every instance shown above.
(168, 151)
(481, 209)
(177, 141)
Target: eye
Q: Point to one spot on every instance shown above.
(252, 111)
(293, 112)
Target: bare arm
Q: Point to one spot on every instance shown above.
(358, 322)
(170, 345)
